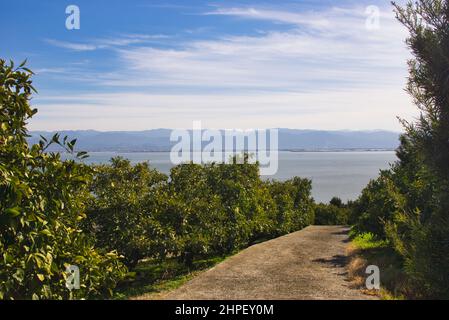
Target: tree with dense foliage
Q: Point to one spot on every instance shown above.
(375, 206)
(330, 214)
(118, 215)
(294, 205)
(334, 213)
(41, 206)
(409, 205)
(420, 230)
(336, 201)
(220, 208)
(197, 211)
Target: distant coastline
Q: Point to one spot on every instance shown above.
(281, 150)
(289, 140)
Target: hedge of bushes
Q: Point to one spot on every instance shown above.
(334, 213)
(197, 210)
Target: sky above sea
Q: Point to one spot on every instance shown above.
(136, 65)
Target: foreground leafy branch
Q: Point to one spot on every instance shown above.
(41, 205)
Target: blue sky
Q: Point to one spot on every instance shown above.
(136, 65)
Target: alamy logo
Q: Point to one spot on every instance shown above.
(223, 146)
(73, 21)
(373, 280)
(73, 277)
(373, 18)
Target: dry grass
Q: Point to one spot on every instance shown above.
(363, 253)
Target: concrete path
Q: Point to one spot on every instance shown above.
(308, 264)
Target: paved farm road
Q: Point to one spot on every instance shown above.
(308, 264)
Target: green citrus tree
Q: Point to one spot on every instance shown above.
(119, 216)
(41, 206)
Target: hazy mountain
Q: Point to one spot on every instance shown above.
(289, 139)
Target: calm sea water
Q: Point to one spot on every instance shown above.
(342, 174)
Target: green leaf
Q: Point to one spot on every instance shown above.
(28, 70)
(23, 63)
(82, 155)
(55, 138)
(12, 212)
(18, 275)
(46, 232)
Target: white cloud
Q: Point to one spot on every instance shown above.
(307, 19)
(326, 72)
(330, 48)
(352, 109)
(72, 45)
(106, 43)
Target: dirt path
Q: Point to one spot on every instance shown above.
(309, 264)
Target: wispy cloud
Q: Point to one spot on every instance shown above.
(337, 109)
(107, 43)
(307, 19)
(72, 45)
(333, 49)
(326, 71)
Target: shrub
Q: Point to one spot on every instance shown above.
(336, 201)
(198, 211)
(118, 214)
(294, 205)
(246, 201)
(375, 206)
(188, 210)
(329, 214)
(368, 241)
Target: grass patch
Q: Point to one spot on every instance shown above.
(153, 277)
(367, 241)
(366, 250)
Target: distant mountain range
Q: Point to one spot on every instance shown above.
(289, 139)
